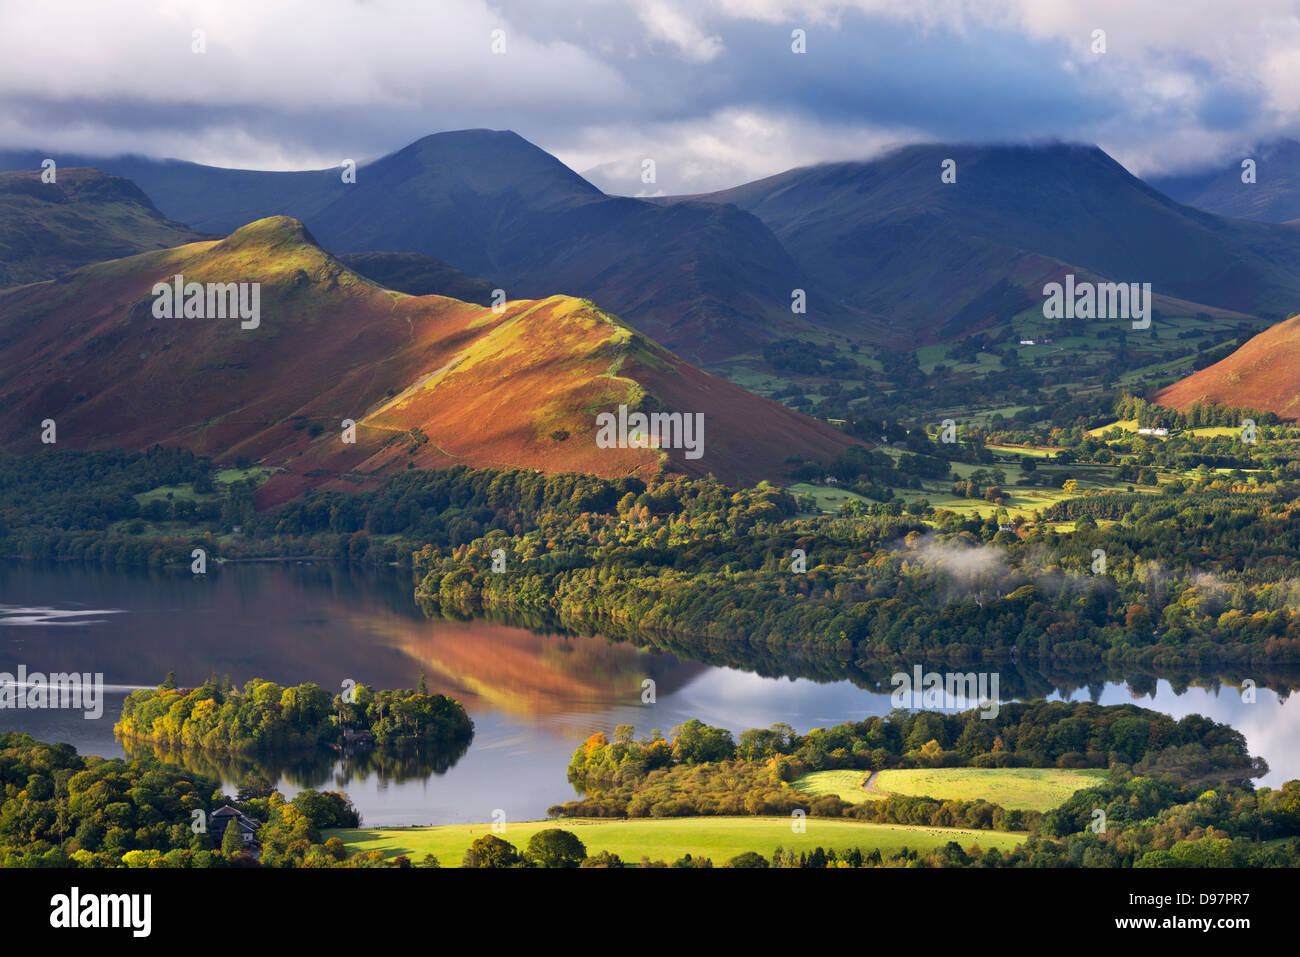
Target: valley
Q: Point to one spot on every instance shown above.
(1094, 508)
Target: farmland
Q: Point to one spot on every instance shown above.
(717, 838)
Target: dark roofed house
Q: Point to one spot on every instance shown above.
(221, 819)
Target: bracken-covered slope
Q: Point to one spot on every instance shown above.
(1263, 374)
(428, 380)
(84, 216)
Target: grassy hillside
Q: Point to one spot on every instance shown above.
(84, 216)
(718, 838)
(1028, 789)
(428, 380)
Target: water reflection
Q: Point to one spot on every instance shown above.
(322, 770)
(533, 695)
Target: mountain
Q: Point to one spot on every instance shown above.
(84, 216)
(939, 258)
(428, 380)
(884, 250)
(418, 275)
(1274, 197)
(705, 280)
(1263, 374)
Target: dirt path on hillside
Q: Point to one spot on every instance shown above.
(870, 784)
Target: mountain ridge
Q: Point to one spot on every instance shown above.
(428, 380)
(856, 225)
(704, 281)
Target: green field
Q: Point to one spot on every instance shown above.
(846, 785)
(1027, 789)
(829, 498)
(667, 839)
(258, 474)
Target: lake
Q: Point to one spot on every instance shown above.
(534, 697)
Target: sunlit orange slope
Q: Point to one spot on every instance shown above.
(1264, 374)
(427, 380)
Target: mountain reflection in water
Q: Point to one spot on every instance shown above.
(533, 696)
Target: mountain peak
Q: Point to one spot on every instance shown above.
(269, 233)
(489, 161)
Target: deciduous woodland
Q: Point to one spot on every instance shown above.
(702, 770)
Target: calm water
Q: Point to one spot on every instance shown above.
(533, 697)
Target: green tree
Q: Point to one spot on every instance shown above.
(602, 859)
(555, 847)
(232, 842)
(491, 851)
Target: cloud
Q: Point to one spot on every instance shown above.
(664, 22)
(725, 148)
(280, 80)
(711, 86)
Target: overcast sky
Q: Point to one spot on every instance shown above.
(708, 89)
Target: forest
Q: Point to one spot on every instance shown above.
(62, 809)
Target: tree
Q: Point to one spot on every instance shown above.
(602, 859)
(232, 841)
(491, 851)
(697, 743)
(748, 859)
(555, 847)
(252, 786)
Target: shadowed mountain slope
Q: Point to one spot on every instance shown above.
(84, 216)
(890, 234)
(418, 275)
(1274, 196)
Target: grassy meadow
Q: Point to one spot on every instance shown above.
(667, 839)
(1025, 789)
